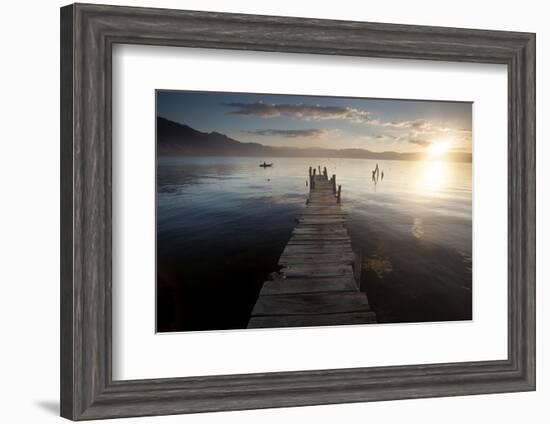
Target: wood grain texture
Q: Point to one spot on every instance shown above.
(312, 320)
(311, 303)
(309, 285)
(88, 33)
(68, 400)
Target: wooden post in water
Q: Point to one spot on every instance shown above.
(333, 180)
(312, 185)
(339, 194)
(319, 169)
(325, 173)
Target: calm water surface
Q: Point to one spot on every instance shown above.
(223, 222)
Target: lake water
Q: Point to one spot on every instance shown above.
(222, 223)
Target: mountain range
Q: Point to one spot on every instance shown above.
(175, 139)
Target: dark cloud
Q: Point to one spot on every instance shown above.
(313, 132)
(299, 111)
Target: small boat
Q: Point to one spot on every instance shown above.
(266, 165)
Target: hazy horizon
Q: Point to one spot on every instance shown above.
(276, 120)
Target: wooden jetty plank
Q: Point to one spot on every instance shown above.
(314, 272)
(274, 321)
(299, 250)
(312, 258)
(320, 244)
(343, 279)
(308, 285)
(311, 303)
(316, 283)
(312, 229)
(315, 247)
(318, 268)
(321, 221)
(319, 240)
(317, 222)
(323, 214)
(291, 249)
(330, 248)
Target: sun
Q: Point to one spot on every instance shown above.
(438, 148)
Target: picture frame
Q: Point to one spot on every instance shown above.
(88, 33)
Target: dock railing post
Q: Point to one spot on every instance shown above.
(312, 185)
(319, 169)
(338, 197)
(333, 180)
(325, 173)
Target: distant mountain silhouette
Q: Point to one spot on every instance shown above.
(174, 139)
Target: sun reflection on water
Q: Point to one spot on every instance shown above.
(434, 176)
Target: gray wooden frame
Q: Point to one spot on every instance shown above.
(88, 33)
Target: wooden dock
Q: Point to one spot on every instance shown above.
(317, 283)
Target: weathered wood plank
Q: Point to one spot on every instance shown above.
(324, 273)
(323, 213)
(317, 267)
(308, 285)
(311, 303)
(320, 229)
(344, 279)
(318, 222)
(313, 258)
(326, 237)
(323, 241)
(313, 249)
(312, 320)
(320, 244)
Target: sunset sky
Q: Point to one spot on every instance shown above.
(329, 122)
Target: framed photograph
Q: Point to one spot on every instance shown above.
(264, 211)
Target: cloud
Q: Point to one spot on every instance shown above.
(413, 138)
(299, 111)
(416, 131)
(420, 141)
(417, 124)
(312, 133)
(320, 113)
